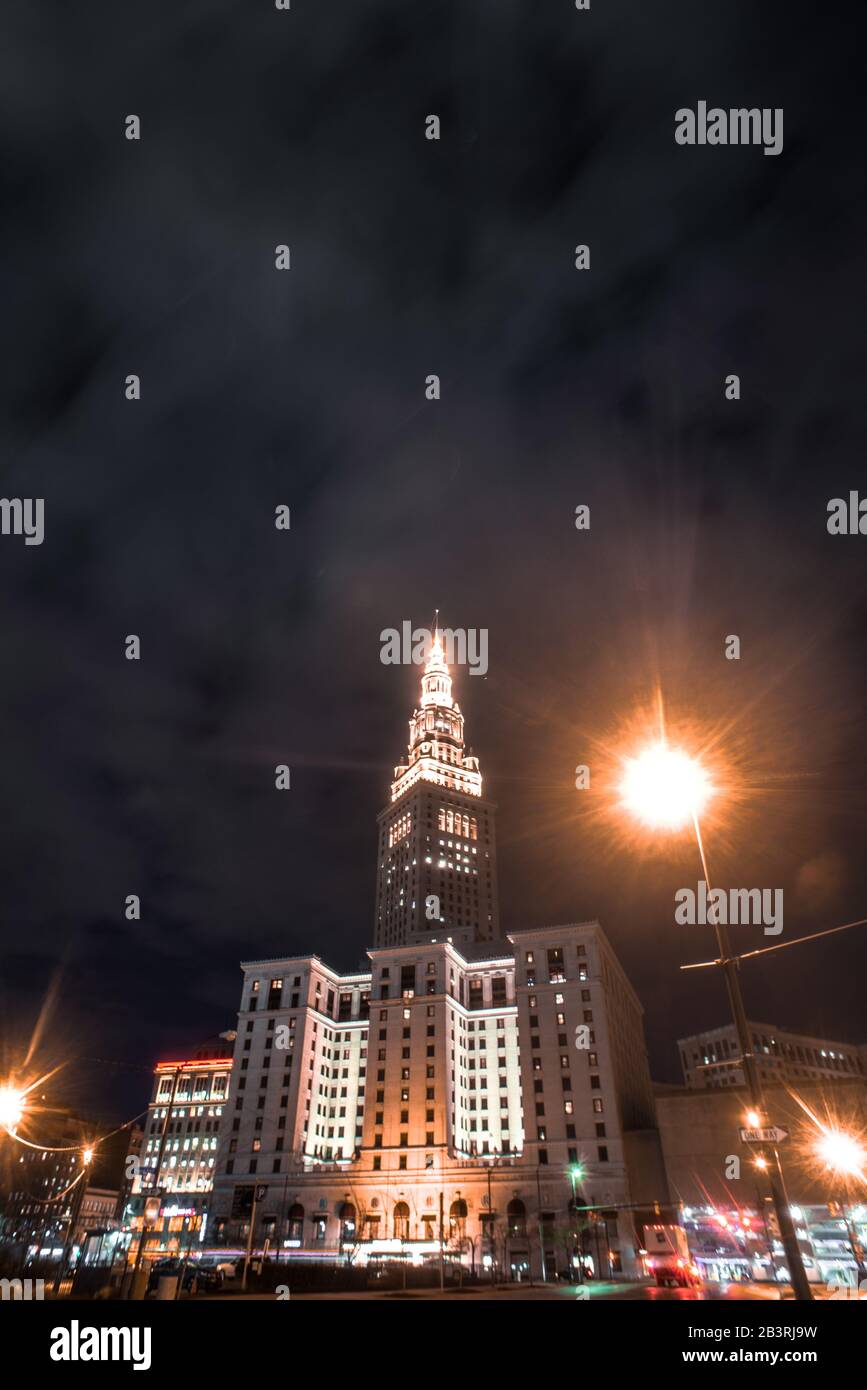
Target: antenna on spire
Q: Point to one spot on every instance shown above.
(436, 622)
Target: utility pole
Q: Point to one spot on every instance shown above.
(797, 1273)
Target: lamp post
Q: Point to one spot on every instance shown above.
(540, 1226)
(665, 788)
(576, 1175)
(442, 1236)
(490, 1223)
(160, 1153)
(492, 1159)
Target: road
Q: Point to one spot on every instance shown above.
(524, 1293)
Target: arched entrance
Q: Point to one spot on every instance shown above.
(401, 1221)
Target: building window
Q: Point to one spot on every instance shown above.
(556, 971)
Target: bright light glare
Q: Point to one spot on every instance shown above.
(842, 1153)
(11, 1106)
(664, 787)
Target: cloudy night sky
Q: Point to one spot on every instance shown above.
(307, 388)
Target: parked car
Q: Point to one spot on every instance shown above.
(170, 1268)
(227, 1268)
(196, 1276)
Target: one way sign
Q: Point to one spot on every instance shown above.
(772, 1135)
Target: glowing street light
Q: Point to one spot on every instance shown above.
(12, 1105)
(666, 789)
(842, 1154)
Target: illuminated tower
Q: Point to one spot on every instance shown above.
(437, 861)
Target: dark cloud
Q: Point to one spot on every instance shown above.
(408, 257)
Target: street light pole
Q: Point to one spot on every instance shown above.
(442, 1267)
(539, 1223)
(160, 1154)
(573, 1173)
(249, 1251)
(776, 1181)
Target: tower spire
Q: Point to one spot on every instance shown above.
(436, 868)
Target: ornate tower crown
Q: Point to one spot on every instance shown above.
(436, 876)
(436, 735)
(436, 683)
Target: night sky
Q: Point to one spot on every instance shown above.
(306, 388)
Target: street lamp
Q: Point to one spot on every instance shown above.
(131, 1292)
(492, 1159)
(665, 789)
(12, 1106)
(842, 1154)
(577, 1175)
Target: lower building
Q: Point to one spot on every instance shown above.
(172, 1160)
(713, 1059)
(41, 1192)
(722, 1191)
(469, 1103)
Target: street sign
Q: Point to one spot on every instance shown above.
(261, 1192)
(772, 1135)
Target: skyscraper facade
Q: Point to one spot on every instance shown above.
(437, 860)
